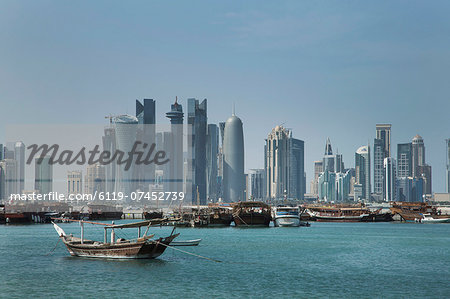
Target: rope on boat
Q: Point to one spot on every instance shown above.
(59, 239)
(190, 253)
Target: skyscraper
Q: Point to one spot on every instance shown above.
(212, 151)
(284, 165)
(384, 133)
(418, 155)
(1, 151)
(197, 127)
(19, 154)
(176, 151)
(43, 175)
(233, 160)
(256, 185)
(145, 112)
(318, 169)
(404, 160)
(328, 158)
(125, 128)
(146, 133)
(390, 179)
(8, 177)
(409, 189)
(362, 169)
(381, 150)
(379, 155)
(109, 144)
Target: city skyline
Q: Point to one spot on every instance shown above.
(273, 60)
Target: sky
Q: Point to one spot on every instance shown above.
(321, 68)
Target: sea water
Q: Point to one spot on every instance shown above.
(363, 260)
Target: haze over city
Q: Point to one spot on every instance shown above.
(327, 69)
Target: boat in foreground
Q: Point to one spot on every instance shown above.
(287, 216)
(144, 247)
(428, 218)
(186, 243)
(251, 213)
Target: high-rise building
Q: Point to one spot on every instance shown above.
(125, 128)
(447, 141)
(328, 158)
(338, 163)
(197, 127)
(233, 160)
(343, 185)
(176, 150)
(362, 169)
(144, 175)
(95, 179)
(381, 150)
(74, 182)
(383, 132)
(1, 151)
(19, 154)
(379, 154)
(318, 169)
(256, 185)
(409, 189)
(390, 179)
(404, 160)
(327, 186)
(418, 155)
(284, 165)
(8, 177)
(145, 112)
(109, 144)
(424, 172)
(43, 175)
(212, 151)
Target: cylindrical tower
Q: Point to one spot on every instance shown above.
(233, 161)
(126, 126)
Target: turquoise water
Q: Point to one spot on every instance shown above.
(325, 260)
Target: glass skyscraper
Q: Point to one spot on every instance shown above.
(362, 169)
(404, 160)
(197, 129)
(381, 150)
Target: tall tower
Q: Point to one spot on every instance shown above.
(212, 152)
(233, 160)
(43, 175)
(197, 129)
(146, 133)
(125, 127)
(381, 150)
(418, 155)
(328, 158)
(362, 168)
(284, 163)
(384, 133)
(390, 179)
(404, 160)
(176, 151)
(19, 154)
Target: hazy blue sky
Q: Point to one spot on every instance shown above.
(323, 68)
